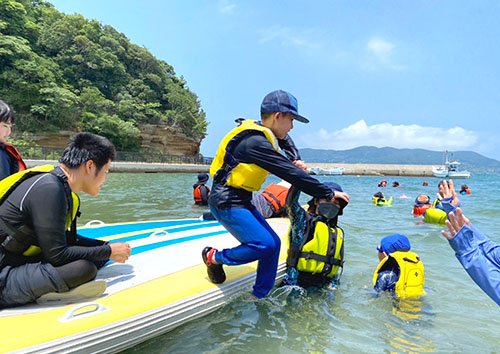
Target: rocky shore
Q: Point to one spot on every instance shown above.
(350, 169)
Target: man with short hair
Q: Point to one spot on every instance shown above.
(245, 157)
(40, 251)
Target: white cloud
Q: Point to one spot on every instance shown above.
(386, 134)
(380, 54)
(287, 37)
(226, 8)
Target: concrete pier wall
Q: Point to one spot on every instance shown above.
(350, 169)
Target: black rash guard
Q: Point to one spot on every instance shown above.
(41, 203)
(255, 148)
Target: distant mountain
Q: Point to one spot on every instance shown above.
(469, 160)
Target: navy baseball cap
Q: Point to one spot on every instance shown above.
(282, 101)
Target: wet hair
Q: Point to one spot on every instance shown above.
(6, 113)
(83, 147)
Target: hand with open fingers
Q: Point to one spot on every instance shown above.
(341, 195)
(120, 251)
(300, 164)
(449, 192)
(454, 224)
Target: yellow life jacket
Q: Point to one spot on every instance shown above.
(247, 176)
(435, 216)
(382, 201)
(411, 273)
(322, 254)
(20, 241)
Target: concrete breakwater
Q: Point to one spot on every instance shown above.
(350, 169)
(379, 169)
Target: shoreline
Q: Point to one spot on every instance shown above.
(350, 169)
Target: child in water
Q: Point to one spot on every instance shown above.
(400, 271)
(315, 242)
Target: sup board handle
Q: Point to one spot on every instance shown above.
(94, 223)
(82, 310)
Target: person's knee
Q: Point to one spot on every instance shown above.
(77, 272)
(271, 246)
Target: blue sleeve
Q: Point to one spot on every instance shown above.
(448, 207)
(480, 260)
(386, 281)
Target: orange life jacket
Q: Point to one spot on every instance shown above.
(419, 210)
(11, 149)
(276, 195)
(197, 193)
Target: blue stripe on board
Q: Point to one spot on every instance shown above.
(110, 230)
(172, 231)
(145, 248)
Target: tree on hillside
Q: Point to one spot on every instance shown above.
(66, 72)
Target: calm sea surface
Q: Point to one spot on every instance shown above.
(454, 316)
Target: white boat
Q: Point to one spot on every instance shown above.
(450, 170)
(326, 171)
(163, 285)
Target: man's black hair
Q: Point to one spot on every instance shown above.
(6, 113)
(83, 147)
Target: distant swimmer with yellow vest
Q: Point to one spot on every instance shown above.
(10, 159)
(245, 157)
(400, 271)
(200, 190)
(41, 254)
(315, 242)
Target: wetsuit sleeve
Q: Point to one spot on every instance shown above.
(4, 164)
(480, 260)
(288, 146)
(296, 213)
(386, 281)
(258, 150)
(49, 222)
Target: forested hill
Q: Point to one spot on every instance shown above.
(64, 72)
(368, 154)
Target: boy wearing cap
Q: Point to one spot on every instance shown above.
(315, 242)
(400, 271)
(200, 190)
(245, 157)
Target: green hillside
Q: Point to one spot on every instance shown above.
(66, 72)
(472, 161)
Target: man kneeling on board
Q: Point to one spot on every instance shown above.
(41, 255)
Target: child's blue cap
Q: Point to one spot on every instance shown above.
(394, 243)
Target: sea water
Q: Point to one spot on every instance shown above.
(455, 316)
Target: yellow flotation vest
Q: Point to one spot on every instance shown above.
(411, 273)
(382, 201)
(20, 241)
(247, 176)
(435, 216)
(321, 254)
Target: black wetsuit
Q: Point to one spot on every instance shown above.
(41, 202)
(255, 148)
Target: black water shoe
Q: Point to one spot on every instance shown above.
(215, 272)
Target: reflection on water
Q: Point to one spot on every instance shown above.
(454, 316)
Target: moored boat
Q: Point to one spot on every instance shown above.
(450, 170)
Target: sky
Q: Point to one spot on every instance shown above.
(399, 73)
